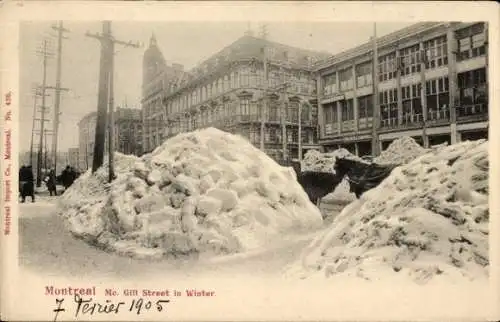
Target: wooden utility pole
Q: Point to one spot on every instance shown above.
(44, 52)
(376, 105)
(36, 94)
(300, 130)
(33, 128)
(423, 93)
(102, 100)
(105, 93)
(60, 30)
(264, 109)
(111, 123)
(284, 111)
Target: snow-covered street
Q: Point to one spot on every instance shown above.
(60, 253)
(196, 207)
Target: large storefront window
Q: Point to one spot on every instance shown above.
(387, 67)
(437, 99)
(330, 85)
(365, 106)
(436, 52)
(410, 60)
(330, 116)
(347, 108)
(473, 92)
(471, 41)
(389, 107)
(345, 78)
(364, 74)
(412, 103)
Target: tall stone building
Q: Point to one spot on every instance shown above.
(432, 86)
(128, 131)
(86, 139)
(128, 134)
(230, 91)
(159, 80)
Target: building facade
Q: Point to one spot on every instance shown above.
(128, 131)
(128, 135)
(230, 91)
(86, 139)
(431, 84)
(159, 80)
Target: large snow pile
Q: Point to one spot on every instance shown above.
(400, 151)
(201, 192)
(428, 218)
(324, 162)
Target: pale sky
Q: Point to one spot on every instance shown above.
(185, 43)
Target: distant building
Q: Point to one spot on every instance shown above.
(127, 135)
(128, 131)
(432, 86)
(229, 91)
(86, 139)
(159, 79)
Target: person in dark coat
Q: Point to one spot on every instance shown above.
(50, 181)
(67, 177)
(26, 183)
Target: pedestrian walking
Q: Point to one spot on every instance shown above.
(50, 181)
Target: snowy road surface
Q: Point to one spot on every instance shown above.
(47, 246)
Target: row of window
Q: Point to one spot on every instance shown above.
(471, 43)
(291, 113)
(472, 88)
(365, 109)
(245, 77)
(274, 135)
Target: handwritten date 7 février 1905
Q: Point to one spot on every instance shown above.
(91, 307)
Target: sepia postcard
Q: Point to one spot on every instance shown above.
(247, 161)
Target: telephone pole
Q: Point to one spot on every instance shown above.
(105, 94)
(45, 54)
(36, 94)
(283, 88)
(60, 30)
(264, 109)
(111, 123)
(376, 104)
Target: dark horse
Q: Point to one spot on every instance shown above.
(362, 176)
(316, 184)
